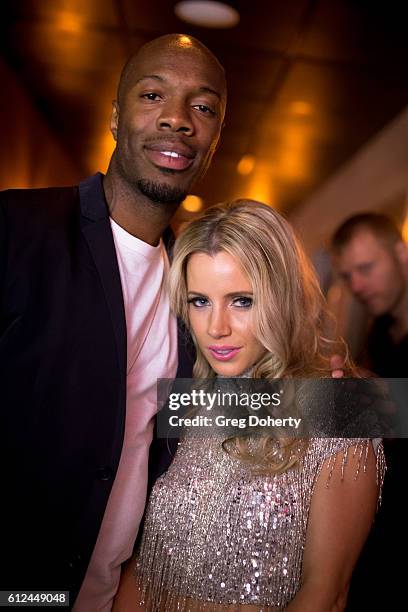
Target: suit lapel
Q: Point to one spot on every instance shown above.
(97, 232)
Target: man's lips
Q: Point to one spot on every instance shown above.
(170, 155)
(366, 299)
(224, 352)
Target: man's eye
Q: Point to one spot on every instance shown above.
(366, 268)
(204, 109)
(151, 96)
(243, 302)
(198, 302)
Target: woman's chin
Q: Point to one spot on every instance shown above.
(227, 369)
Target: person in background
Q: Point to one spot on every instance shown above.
(371, 257)
(250, 522)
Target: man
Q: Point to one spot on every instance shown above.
(372, 259)
(86, 329)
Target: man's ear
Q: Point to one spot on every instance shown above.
(114, 119)
(401, 251)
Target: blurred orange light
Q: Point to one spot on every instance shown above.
(101, 152)
(246, 164)
(294, 156)
(260, 187)
(69, 22)
(192, 203)
(291, 165)
(405, 229)
(301, 108)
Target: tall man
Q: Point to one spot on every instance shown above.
(372, 259)
(85, 329)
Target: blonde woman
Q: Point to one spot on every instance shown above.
(221, 533)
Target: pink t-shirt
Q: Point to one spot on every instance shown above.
(151, 354)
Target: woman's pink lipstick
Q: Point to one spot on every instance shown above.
(224, 352)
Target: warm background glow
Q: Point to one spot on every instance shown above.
(405, 229)
(301, 108)
(192, 204)
(68, 22)
(246, 164)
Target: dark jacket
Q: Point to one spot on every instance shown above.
(62, 382)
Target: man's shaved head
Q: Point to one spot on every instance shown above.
(164, 44)
(168, 117)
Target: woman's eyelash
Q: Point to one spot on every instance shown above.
(240, 301)
(193, 300)
(245, 302)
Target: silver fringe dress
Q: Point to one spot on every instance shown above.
(216, 534)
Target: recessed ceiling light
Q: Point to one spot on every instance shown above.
(207, 13)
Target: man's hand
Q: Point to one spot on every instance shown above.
(337, 365)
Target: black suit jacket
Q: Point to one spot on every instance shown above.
(62, 382)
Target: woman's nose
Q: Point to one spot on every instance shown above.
(218, 325)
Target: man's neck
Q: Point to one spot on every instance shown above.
(134, 212)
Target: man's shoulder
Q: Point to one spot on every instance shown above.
(36, 199)
(28, 214)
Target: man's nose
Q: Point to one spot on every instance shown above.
(176, 116)
(357, 284)
(218, 325)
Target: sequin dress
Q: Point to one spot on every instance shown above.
(216, 534)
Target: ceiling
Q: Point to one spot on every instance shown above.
(309, 82)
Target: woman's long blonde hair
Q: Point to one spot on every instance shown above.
(289, 311)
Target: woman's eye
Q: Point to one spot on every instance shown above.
(204, 109)
(198, 302)
(243, 302)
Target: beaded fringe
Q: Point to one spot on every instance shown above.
(217, 537)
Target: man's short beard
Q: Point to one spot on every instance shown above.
(161, 193)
